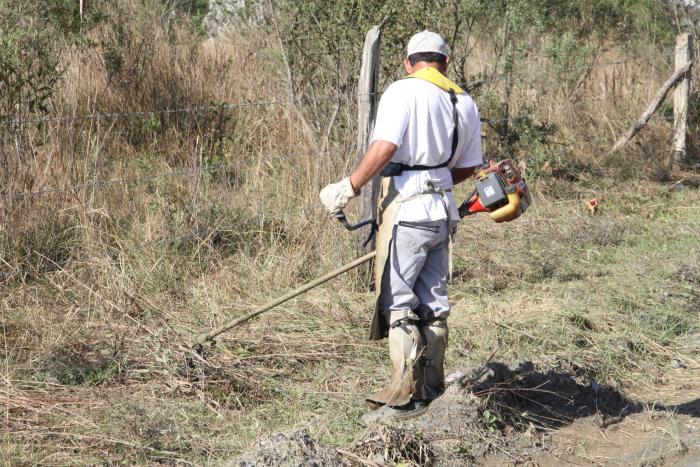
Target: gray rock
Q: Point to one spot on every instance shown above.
(226, 15)
(675, 363)
(291, 448)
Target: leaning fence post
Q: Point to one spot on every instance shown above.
(684, 51)
(367, 99)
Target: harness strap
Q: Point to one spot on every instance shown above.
(393, 169)
(399, 323)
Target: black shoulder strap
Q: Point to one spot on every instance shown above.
(455, 119)
(393, 169)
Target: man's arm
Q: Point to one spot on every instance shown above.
(460, 175)
(376, 157)
(336, 195)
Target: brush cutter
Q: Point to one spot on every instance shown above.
(500, 190)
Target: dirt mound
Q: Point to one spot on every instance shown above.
(501, 409)
(546, 398)
(509, 409)
(291, 448)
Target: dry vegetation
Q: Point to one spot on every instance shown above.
(124, 235)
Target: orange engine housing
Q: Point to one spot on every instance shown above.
(500, 191)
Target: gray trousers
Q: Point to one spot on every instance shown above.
(415, 277)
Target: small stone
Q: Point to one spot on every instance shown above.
(679, 187)
(454, 377)
(675, 363)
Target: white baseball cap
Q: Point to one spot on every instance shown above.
(427, 41)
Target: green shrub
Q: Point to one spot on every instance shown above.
(28, 60)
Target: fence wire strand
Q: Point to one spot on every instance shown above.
(100, 184)
(237, 105)
(149, 113)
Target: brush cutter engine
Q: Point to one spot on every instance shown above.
(500, 191)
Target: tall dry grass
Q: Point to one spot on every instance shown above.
(258, 152)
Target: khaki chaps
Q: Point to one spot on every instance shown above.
(412, 306)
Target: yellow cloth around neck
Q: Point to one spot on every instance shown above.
(432, 75)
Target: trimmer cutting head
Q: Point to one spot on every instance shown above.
(500, 190)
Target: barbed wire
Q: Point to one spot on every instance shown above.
(167, 111)
(237, 105)
(100, 183)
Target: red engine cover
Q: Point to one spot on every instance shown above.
(510, 179)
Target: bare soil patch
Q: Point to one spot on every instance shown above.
(294, 447)
(518, 414)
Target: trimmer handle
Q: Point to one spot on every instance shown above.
(340, 215)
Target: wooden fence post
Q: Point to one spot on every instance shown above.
(684, 54)
(367, 99)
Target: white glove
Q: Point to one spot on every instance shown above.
(336, 195)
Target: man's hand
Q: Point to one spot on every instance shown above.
(336, 195)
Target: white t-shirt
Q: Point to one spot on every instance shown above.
(416, 116)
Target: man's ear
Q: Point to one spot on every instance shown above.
(447, 63)
(407, 65)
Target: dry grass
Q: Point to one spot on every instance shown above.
(114, 279)
(112, 382)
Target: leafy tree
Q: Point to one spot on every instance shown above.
(28, 60)
(32, 34)
(321, 43)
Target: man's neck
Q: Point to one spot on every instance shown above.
(420, 65)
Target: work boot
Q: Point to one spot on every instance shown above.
(431, 381)
(405, 349)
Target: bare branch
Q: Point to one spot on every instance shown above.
(653, 107)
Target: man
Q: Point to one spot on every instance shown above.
(425, 140)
